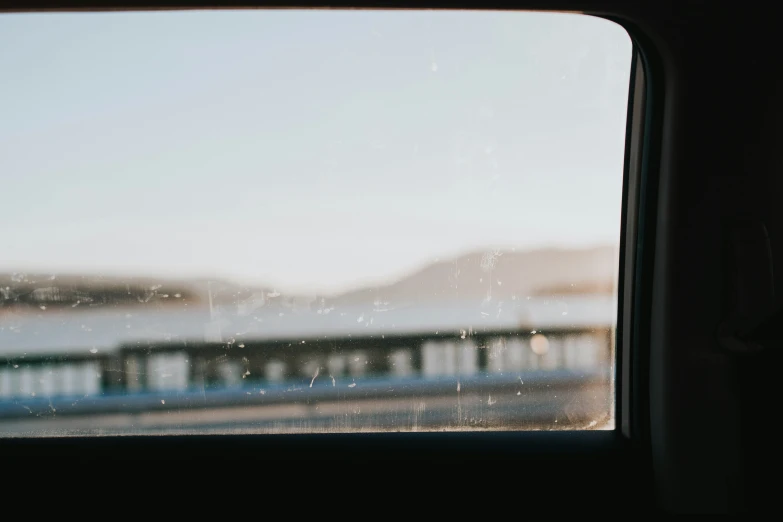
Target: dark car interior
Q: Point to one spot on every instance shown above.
(701, 258)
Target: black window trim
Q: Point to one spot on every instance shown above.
(614, 448)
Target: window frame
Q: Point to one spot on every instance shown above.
(618, 450)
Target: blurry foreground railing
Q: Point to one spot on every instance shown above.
(451, 377)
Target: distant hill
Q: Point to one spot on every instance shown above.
(91, 291)
(501, 275)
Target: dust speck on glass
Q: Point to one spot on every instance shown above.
(309, 221)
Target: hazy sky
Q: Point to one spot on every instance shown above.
(311, 150)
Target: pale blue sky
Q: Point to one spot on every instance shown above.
(306, 149)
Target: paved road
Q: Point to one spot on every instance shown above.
(586, 409)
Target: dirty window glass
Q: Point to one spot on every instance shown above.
(309, 221)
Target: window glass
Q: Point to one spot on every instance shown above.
(309, 221)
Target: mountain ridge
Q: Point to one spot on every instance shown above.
(479, 274)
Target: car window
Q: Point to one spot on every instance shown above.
(309, 221)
